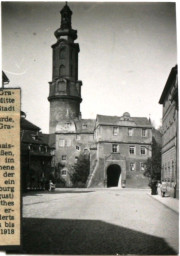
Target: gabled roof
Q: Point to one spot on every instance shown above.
(26, 125)
(169, 83)
(115, 120)
(44, 137)
(85, 125)
(41, 139)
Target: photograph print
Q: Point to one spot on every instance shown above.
(99, 125)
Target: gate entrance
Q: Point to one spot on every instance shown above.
(113, 175)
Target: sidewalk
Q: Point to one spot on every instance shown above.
(169, 202)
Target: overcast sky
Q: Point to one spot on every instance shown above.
(126, 53)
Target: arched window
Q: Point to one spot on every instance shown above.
(62, 53)
(62, 70)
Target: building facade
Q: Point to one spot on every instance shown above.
(170, 138)
(36, 156)
(122, 147)
(118, 146)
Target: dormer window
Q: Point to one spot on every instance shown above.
(84, 126)
(67, 125)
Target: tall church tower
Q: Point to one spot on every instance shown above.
(65, 88)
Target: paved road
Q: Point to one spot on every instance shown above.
(108, 221)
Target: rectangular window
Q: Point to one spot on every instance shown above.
(143, 150)
(64, 157)
(132, 166)
(115, 148)
(63, 172)
(61, 143)
(68, 143)
(78, 148)
(84, 126)
(115, 130)
(130, 131)
(144, 132)
(131, 150)
(78, 137)
(76, 159)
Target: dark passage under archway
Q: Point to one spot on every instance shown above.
(113, 175)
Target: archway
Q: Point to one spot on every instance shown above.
(113, 175)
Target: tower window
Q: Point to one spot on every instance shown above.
(115, 148)
(62, 70)
(62, 53)
(131, 150)
(115, 130)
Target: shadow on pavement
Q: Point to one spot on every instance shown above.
(68, 236)
(39, 193)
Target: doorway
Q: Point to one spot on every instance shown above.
(113, 175)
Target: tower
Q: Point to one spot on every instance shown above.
(65, 88)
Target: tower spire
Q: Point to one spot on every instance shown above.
(65, 26)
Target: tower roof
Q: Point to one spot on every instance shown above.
(65, 27)
(66, 9)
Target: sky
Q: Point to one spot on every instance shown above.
(127, 50)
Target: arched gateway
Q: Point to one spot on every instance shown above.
(113, 175)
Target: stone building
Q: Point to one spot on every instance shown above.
(36, 156)
(118, 146)
(123, 145)
(170, 138)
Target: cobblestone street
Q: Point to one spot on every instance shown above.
(106, 221)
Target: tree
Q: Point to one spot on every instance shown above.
(80, 171)
(153, 164)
